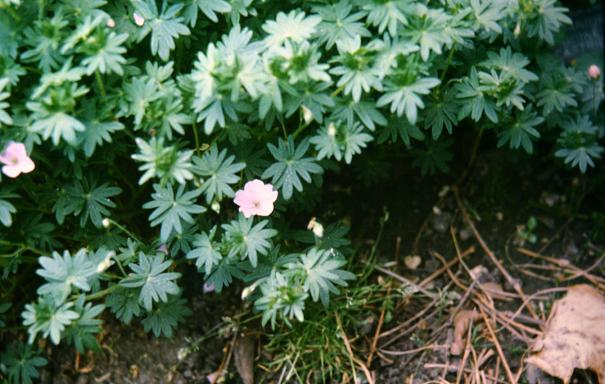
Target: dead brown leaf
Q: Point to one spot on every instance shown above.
(574, 336)
(462, 320)
(495, 291)
(243, 354)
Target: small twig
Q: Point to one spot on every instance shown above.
(467, 344)
(406, 281)
(377, 332)
(354, 360)
(515, 284)
(447, 265)
(413, 351)
(226, 360)
(509, 373)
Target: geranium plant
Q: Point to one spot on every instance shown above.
(142, 137)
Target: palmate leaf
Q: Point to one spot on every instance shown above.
(63, 272)
(291, 166)
(475, 102)
(579, 143)
(166, 316)
(339, 24)
(247, 240)
(400, 130)
(124, 303)
(280, 298)
(441, 113)
(172, 209)
(340, 141)
(6, 209)
(47, 317)
(322, 273)
(4, 116)
(97, 133)
(488, 13)
(208, 7)
(165, 25)
(218, 171)
(522, 131)
(86, 200)
(22, 363)
(82, 332)
(205, 253)
(408, 98)
(165, 162)
(155, 284)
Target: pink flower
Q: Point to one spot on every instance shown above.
(15, 160)
(256, 198)
(138, 19)
(594, 72)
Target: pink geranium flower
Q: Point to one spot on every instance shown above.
(15, 160)
(256, 198)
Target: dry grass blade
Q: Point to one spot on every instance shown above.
(509, 373)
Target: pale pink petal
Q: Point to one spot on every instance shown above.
(17, 149)
(11, 170)
(247, 211)
(265, 209)
(27, 165)
(255, 187)
(242, 198)
(138, 19)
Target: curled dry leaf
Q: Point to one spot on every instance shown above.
(495, 291)
(412, 262)
(462, 321)
(243, 354)
(574, 336)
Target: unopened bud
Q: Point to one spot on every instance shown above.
(106, 223)
(332, 129)
(110, 23)
(594, 72)
(138, 19)
(307, 114)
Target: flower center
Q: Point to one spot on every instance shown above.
(14, 160)
(256, 204)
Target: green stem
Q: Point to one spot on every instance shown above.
(100, 83)
(197, 138)
(123, 229)
(449, 62)
(102, 293)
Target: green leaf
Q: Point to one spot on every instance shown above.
(248, 240)
(322, 273)
(488, 13)
(49, 318)
(4, 116)
(579, 141)
(63, 272)
(291, 166)
(475, 101)
(124, 303)
(82, 332)
(205, 253)
(22, 363)
(407, 98)
(149, 275)
(340, 141)
(172, 210)
(209, 7)
(218, 171)
(166, 316)
(165, 26)
(6, 209)
(165, 162)
(521, 131)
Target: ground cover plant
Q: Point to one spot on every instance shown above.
(144, 139)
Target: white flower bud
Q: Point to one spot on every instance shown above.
(332, 129)
(138, 19)
(307, 114)
(111, 23)
(106, 223)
